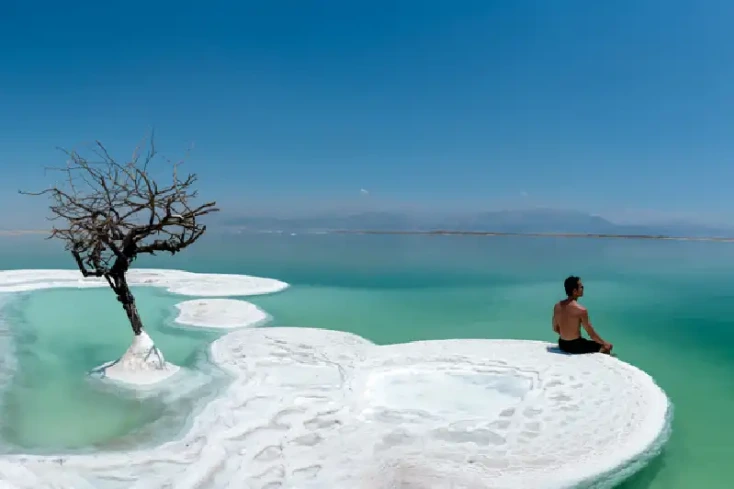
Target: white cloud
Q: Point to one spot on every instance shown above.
(364, 191)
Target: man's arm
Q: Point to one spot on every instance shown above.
(556, 326)
(590, 329)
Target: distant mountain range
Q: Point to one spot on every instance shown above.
(509, 221)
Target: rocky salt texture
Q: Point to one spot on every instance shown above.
(322, 409)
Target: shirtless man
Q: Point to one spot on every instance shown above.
(569, 316)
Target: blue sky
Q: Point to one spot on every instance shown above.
(618, 107)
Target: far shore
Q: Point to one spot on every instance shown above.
(441, 232)
(537, 235)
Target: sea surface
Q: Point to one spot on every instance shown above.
(668, 307)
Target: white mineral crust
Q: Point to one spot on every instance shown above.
(220, 313)
(310, 408)
(320, 409)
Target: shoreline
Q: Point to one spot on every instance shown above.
(446, 232)
(536, 235)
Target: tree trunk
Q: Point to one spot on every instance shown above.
(132, 312)
(142, 363)
(119, 284)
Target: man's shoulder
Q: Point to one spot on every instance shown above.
(572, 305)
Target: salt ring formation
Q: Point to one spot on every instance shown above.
(310, 408)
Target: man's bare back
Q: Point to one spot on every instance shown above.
(568, 318)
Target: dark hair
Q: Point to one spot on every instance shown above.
(571, 284)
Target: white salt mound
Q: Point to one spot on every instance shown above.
(323, 409)
(175, 281)
(141, 365)
(220, 313)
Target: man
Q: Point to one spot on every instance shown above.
(569, 316)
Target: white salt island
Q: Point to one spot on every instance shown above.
(311, 408)
(220, 314)
(175, 281)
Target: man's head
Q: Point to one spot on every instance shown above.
(574, 287)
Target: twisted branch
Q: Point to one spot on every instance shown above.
(113, 211)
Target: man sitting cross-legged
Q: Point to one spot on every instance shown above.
(569, 316)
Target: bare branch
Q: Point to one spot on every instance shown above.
(114, 211)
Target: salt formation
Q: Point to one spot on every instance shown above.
(143, 365)
(311, 408)
(175, 281)
(220, 313)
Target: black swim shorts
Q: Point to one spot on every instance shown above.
(579, 345)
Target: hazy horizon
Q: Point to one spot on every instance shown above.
(226, 219)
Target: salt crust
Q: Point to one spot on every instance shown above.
(312, 408)
(143, 365)
(220, 313)
(175, 281)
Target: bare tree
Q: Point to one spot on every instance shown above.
(112, 212)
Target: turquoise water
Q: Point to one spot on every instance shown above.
(667, 306)
(59, 335)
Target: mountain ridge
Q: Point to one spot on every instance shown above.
(504, 221)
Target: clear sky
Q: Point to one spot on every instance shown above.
(609, 107)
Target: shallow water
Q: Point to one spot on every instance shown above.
(59, 335)
(667, 307)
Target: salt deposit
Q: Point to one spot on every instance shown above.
(141, 365)
(220, 313)
(312, 408)
(175, 281)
